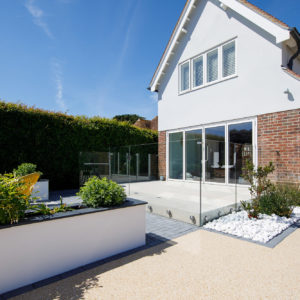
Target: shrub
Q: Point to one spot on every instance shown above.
(53, 141)
(275, 202)
(25, 169)
(259, 185)
(292, 193)
(98, 192)
(13, 203)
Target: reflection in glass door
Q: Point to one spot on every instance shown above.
(215, 154)
(193, 154)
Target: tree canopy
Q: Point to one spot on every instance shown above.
(130, 118)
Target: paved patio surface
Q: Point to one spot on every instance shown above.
(182, 199)
(198, 265)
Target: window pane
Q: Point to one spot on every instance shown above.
(212, 65)
(193, 154)
(185, 76)
(198, 71)
(240, 150)
(229, 59)
(175, 155)
(215, 154)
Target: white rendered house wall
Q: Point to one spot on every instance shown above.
(258, 88)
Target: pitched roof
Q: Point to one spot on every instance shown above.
(264, 13)
(186, 9)
(292, 73)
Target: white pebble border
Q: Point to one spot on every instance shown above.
(259, 230)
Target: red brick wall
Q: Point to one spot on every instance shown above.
(278, 137)
(162, 153)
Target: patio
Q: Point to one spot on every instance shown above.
(181, 200)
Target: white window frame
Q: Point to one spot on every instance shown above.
(179, 77)
(220, 67)
(203, 127)
(192, 72)
(235, 59)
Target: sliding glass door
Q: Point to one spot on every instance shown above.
(215, 154)
(239, 150)
(176, 155)
(219, 153)
(193, 154)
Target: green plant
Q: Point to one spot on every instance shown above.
(260, 184)
(25, 169)
(101, 192)
(53, 140)
(275, 202)
(291, 191)
(42, 209)
(13, 203)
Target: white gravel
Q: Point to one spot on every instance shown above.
(259, 230)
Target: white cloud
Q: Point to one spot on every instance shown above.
(38, 16)
(58, 79)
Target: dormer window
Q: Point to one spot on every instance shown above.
(212, 66)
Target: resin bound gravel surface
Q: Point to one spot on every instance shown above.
(261, 230)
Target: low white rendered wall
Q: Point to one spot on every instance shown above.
(36, 251)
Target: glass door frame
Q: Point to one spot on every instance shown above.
(226, 124)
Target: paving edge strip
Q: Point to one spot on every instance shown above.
(271, 243)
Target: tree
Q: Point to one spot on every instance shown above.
(130, 118)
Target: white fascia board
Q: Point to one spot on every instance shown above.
(281, 34)
(184, 19)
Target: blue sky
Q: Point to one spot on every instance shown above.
(92, 57)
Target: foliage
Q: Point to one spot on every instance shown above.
(260, 184)
(25, 169)
(98, 192)
(258, 178)
(53, 141)
(130, 118)
(275, 202)
(291, 192)
(13, 203)
(42, 209)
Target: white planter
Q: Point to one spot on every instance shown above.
(41, 189)
(35, 251)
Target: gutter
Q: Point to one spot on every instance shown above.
(296, 36)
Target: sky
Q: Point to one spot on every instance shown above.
(92, 57)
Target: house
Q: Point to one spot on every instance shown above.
(147, 124)
(228, 87)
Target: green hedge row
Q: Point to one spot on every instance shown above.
(53, 141)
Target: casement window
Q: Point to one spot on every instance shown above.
(198, 71)
(228, 51)
(185, 76)
(210, 67)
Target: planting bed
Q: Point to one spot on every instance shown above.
(261, 230)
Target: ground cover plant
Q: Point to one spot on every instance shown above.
(98, 192)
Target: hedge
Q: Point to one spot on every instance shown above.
(53, 140)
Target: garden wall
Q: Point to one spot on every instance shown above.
(53, 141)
